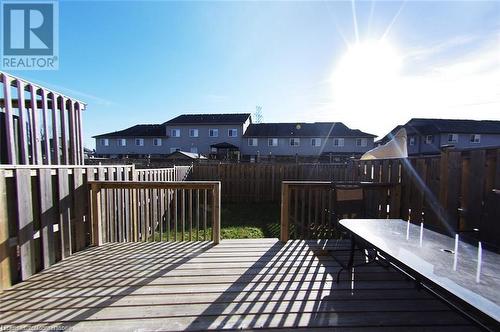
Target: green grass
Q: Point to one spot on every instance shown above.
(241, 221)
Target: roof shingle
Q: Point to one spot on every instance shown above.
(301, 129)
(141, 130)
(235, 118)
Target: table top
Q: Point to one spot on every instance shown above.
(452, 265)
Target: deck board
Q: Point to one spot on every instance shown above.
(239, 284)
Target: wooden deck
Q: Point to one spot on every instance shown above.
(238, 284)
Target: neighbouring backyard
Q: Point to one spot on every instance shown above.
(250, 221)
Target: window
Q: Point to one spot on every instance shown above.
(139, 141)
(361, 142)
(213, 150)
(253, 142)
(475, 138)
(232, 132)
(213, 133)
(272, 142)
(452, 138)
(172, 150)
(175, 133)
(157, 141)
(194, 149)
(295, 141)
(338, 142)
(122, 142)
(412, 140)
(193, 132)
(316, 142)
(429, 139)
(104, 142)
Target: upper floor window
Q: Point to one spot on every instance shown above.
(139, 141)
(193, 132)
(429, 139)
(412, 140)
(452, 138)
(338, 142)
(475, 138)
(157, 141)
(294, 141)
(232, 132)
(316, 142)
(213, 133)
(361, 142)
(105, 142)
(194, 149)
(175, 133)
(253, 142)
(122, 142)
(272, 142)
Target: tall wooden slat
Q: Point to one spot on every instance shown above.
(48, 216)
(25, 222)
(23, 132)
(9, 121)
(55, 130)
(79, 197)
(35, 127)
(64, 137)
(64, 212)
(46, 141)
(73, 153)
(5, 275)
(216, 199)
(475, 190)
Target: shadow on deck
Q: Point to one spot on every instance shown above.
(239, 284)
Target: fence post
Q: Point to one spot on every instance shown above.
(284, 231)
(216, 213)
(96, 215)
(5, 277)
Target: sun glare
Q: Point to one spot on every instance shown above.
(367, 75)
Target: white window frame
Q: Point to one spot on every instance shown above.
(362, 142)
(429, 139)
(412, 140)
(270, 142)
(140, 141)
(253, 142)
(454, 138)
(295, 140)
(172, 150)
(314, 142)
(157, 141)
(475, 138)
(230, 131)
(193, 132)
(338, 142)
(105, 141)
(213, 132)
(122, 142)
(194, 149)
(175, 132)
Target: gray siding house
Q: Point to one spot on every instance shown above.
(429, 136)
(305, 139)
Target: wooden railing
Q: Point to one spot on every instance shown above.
(155, 211)
(176, 173)
(44, 215)
(312, 209)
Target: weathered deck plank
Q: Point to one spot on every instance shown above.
(243, 284)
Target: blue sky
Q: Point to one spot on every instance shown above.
(146, 62)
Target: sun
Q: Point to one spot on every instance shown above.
(367, 76)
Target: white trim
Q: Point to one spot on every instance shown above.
(213, 132)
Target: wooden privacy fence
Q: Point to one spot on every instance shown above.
(176, 173)
(312, 209)
(244, 183)
(155, 211)
(44, 215)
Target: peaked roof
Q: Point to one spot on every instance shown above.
(301, 129)
(141, 130)
(234, 118)
(188, 155)
(421, 126)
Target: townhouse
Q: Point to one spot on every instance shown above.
(234, 136)
(429, 136)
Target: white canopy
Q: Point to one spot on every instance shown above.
(395, 148)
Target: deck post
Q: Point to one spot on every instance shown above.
(96, 215)
(216, 213)
(9, 121)
(284, 230)
(5, 277)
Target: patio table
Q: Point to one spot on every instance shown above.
(448, 266)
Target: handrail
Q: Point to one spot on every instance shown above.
(124, 211)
